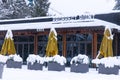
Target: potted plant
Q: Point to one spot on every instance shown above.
(3, 60)
(79, 64)
(56, 63)
(14, 61)
(35, 62)
(108, 65)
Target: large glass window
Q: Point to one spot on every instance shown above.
(79, 44)
(99, 40)
(42, 42)
(60, 45)
(1, 42)
(24, 46)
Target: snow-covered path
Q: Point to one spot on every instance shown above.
(25, 74)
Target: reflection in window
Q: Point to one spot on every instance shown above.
(23, 39)
(1, 42)
(41, 49)
(82, 48)
(89, 50)
(72, 49)
(89, 37)
(42, 43)
(99, 37)
(99, 40)
(71, 37)
(24, 46)
(79, 44)
(31, 49)
(59, 38)
(79, 37)
(43, 38)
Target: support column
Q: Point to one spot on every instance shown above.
(116, 45)
(94, 46)
(35, 44)
(64, 45)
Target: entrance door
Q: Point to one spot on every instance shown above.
(22, 50)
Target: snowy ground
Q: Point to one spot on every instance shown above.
(25, 74)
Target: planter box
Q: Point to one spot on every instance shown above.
(53, 66)
(35, 66)
(1, 69)
(106, 70)
(13, 64)
(79, 68)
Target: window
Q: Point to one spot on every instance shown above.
(24, 46)
(42, 43)
(79, 44)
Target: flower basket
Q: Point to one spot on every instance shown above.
(56, 63)
(79, 64)
(108, 65)
(79, 68)
(35, 62)
(53, 66)
(3, 60)
(108, 70)
(14, 61)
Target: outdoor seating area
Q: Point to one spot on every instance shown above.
(107, 64)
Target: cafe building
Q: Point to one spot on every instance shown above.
(81, 34)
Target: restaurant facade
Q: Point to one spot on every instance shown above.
(80, 34)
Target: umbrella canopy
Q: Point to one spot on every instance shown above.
(106, 45)
(8, 46)
(52, 48)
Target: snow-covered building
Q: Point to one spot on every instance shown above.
(79, 34)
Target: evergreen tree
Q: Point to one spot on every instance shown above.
(13, 9)
(117, 6)
(40, 8)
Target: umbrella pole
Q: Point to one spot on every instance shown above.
(97, 55)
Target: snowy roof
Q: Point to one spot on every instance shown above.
(70, 22)
(108, 12)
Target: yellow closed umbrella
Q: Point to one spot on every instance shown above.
(106, 49)
(8, 46)
(52, 48)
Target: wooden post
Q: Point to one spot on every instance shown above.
(94, 46)
(35, 44)
(116, 45)
(64, 45)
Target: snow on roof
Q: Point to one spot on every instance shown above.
(108, 12)
(58, 24)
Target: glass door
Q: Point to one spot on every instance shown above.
(22, 50)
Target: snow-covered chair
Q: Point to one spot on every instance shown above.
(56, 63)
(109, 65)
(14, 61)
(79, 64)
(35, 62)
